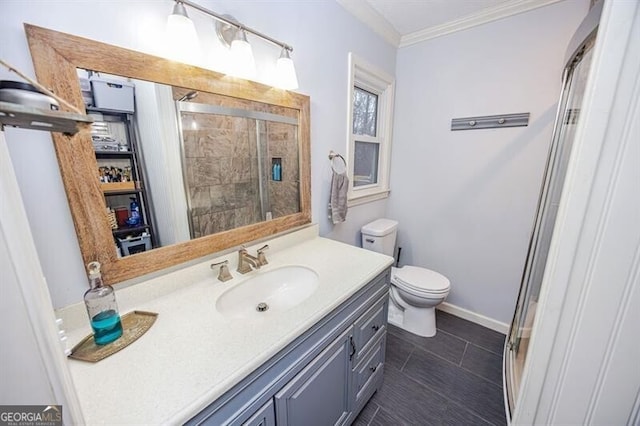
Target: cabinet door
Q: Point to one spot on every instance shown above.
(263, 417)
(319, 394)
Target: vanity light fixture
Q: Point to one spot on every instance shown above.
(233, 33)
(286, 71)
(182, 37)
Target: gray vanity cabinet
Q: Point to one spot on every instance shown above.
(324, 377)
(319, 395)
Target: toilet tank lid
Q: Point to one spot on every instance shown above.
(380, 227)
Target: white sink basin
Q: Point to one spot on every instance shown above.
(280, 289)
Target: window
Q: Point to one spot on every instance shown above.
(369, 141)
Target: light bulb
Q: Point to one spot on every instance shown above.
(243, 64)
(182, 40)
(286, 77)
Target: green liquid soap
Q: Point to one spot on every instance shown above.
(106, 327)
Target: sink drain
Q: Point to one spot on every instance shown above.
(262, 307)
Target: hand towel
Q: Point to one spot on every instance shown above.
(338, 200)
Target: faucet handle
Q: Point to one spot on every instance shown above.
(224, 274)
(261, 257)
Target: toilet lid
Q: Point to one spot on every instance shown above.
(420, 279)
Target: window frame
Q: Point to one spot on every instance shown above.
(374, 80)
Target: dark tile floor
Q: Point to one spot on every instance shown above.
(454, 378)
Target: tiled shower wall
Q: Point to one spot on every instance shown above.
(222, 171)
(284, 195)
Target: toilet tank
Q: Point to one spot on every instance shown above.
(380, 236)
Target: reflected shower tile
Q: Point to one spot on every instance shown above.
(244, 216)
(245, 193)
(200, 200)
(284, 197)
(226, 170)
(191, 146)
(277, 148)
(206, 171)
(290, 168)
(205, 224)
(212, 121)
(222, 197)
(241, 146)
(239, 124)
(235, 170)
(217, 143)
(195, 222)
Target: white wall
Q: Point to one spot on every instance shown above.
(466, 200)
(321, 32)
(32, 364)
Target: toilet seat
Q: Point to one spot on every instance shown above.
(420, 281)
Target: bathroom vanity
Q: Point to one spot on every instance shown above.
(323, 377)
(317, 362)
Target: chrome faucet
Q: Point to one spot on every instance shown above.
(247, 262)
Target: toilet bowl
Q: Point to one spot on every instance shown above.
(414, 292)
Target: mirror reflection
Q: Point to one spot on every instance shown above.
(177, 164)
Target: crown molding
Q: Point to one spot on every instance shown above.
(370, 17)
(500, 11)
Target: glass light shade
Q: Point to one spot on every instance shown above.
(182, 40)
(286, 77)
(243, 64)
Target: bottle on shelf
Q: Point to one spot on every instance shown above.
(102, 308)
(276, 170)
(134, 219)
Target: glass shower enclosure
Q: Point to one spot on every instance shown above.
(575, 76)
(240, 163)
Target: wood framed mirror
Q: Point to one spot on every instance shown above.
(57, 57)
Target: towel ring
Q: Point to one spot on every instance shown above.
(332, 156)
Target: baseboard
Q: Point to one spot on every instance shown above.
(498, 326)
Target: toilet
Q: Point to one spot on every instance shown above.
(415, 292)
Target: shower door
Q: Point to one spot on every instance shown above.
(228, 159)
(574, 82)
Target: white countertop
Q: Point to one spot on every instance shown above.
(193, 354)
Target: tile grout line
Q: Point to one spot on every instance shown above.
(466, 345)
(408, 358)
(374, 415)
(486, 349)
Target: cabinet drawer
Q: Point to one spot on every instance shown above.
(368, 371)
(371, 323)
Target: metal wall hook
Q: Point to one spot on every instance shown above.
(491, 121)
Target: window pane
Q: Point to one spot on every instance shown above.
(365, 112)
(365, 165)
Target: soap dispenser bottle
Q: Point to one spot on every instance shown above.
(100, 301)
